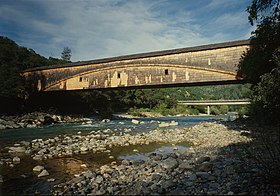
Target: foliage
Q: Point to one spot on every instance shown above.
(265, 40)
(266, 97)
(243, 111)
(14, 59)
(66, 54)
(261, 63)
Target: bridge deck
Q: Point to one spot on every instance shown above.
(216, 102)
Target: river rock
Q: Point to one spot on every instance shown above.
(18, 149)
(204, 167)
(1, 179)
(105, 120)
(105, 169)
(31, 126)
(135, 121)
(16, 160)
(185, 166)
(168, 184)
(169, 163)
(163, 124)
(2, 126)
(43, 173)
(38, 168)
(99, 179)
(38, 157)
(203, 159)
(83, 149)
(48, 120)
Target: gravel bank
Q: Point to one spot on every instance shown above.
(217, 162)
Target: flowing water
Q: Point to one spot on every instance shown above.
(21, 180)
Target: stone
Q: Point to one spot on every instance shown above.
(89, 174)
(204, 167)
(51, 180)
(163, 124)
(203, 159)
(168, 184)
(83, 149)
(1, 179)
(16, 160)
(105, 120)
(38, 157)
(2, 126)
(38, 168)
(202, 175)
(43, 173)
(99, 179)
(31, 126)
(105, 169)
(229, 170)
(48, 120)
(18, 149)
(135, 121)
(169, 163)
(185, 166)
(155, 177)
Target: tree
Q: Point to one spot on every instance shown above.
(66, 54)
(265, 40)
(261, 63)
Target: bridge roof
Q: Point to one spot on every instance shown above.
(146, 55)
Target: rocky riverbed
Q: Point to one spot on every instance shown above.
(33, 120)
(216, 162)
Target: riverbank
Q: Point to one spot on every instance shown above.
(33, 120)
(217, 161)
(153, 115)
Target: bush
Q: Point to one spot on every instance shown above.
(214, 110)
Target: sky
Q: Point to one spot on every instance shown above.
(95, 29)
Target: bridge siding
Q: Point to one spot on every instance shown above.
(218, 64)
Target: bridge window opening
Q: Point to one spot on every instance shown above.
(81, 79)
(166, 72)
(119, 75)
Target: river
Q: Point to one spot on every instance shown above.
(20, 179)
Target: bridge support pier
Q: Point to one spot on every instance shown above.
(208, 110)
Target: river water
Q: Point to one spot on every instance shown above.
(21, 180)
